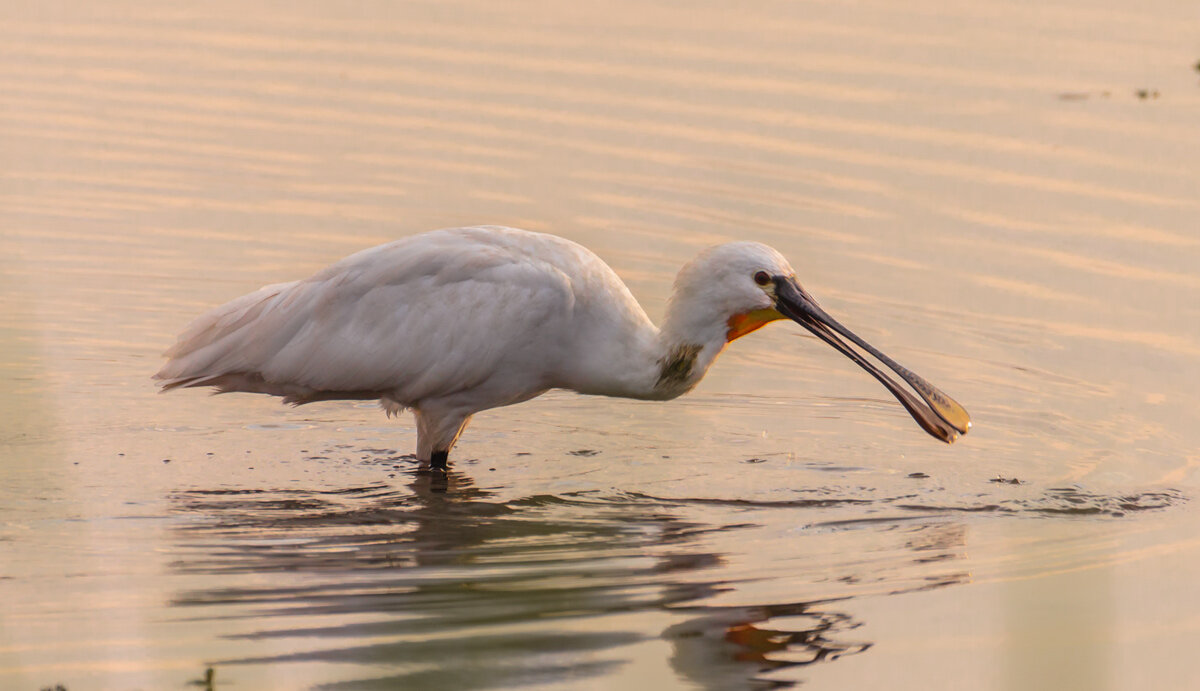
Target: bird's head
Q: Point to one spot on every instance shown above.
(728, 289)
(733, 289)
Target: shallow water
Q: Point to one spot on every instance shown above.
(1002, 197)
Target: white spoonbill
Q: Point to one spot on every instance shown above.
(452, 322)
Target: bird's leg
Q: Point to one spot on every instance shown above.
(438, 428)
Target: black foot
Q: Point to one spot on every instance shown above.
(437, 461)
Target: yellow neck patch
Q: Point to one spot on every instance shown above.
(744, 323)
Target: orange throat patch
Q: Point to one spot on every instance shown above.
(744, 323)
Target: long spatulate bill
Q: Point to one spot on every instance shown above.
(940, 415)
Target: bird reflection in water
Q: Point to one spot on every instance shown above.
(456, 576)
(442, 583)
(721, 647)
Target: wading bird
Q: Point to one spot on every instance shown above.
(452, 322)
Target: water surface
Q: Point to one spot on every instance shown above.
(1002, 197)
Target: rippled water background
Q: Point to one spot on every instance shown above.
(1003, 196)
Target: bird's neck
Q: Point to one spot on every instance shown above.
(651, 365)
(684, 353)
(690, 339)
(681, 366)
(646, 362)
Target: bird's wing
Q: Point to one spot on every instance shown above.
(421, 317)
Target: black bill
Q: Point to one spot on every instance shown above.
(939, 415)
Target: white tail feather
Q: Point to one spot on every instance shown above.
(217, 349)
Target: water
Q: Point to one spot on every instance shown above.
(982, 192)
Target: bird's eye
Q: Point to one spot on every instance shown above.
(762, 278)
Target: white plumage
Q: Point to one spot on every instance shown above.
(456, 321)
